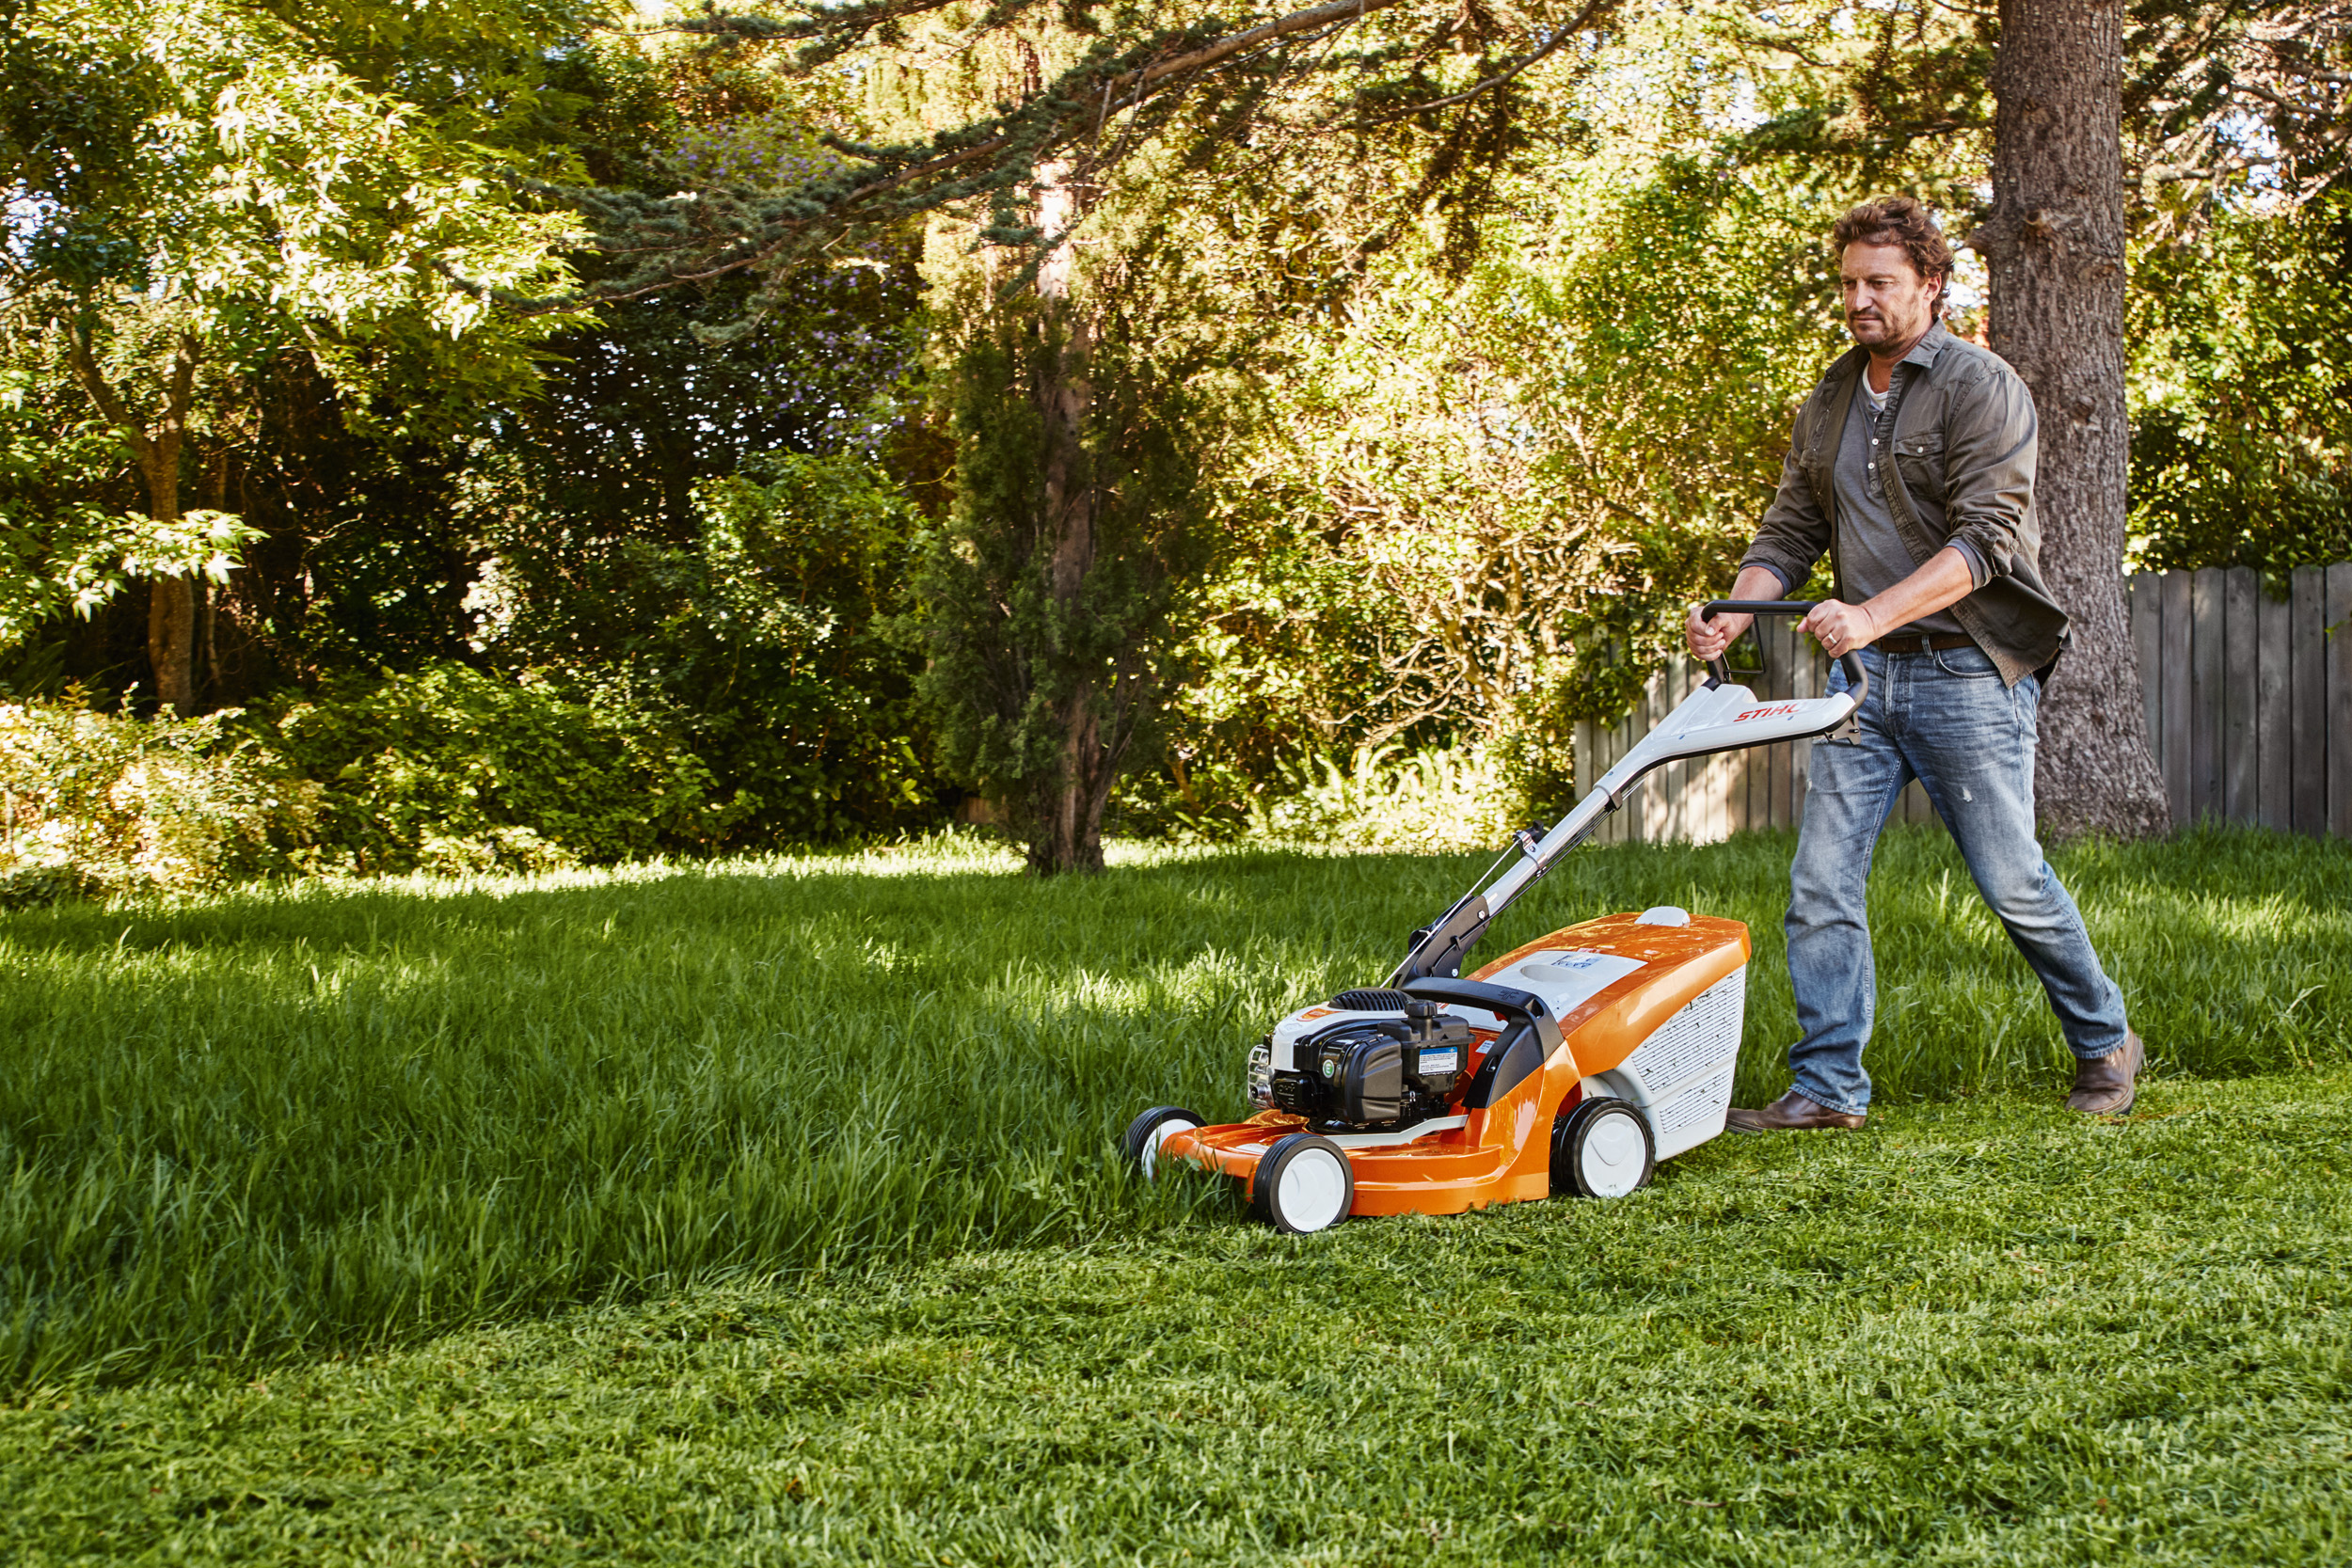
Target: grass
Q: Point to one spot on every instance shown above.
(317, 1119)
(1979, 1331)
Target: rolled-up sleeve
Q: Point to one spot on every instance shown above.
(1991, 444)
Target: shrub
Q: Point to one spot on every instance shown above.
(1383, 798)
(446, 768)
(758, 634)
(109, 803)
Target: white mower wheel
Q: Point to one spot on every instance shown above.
(1148, 1130)
(1602, 1149)
(1303, 1184)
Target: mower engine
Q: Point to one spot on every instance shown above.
(1369, 1060)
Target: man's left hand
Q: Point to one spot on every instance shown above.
(1840, 628)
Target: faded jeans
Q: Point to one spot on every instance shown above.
(1946, 720)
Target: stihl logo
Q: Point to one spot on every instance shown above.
(1780, 710)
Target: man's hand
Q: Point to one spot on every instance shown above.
(1841, 628)
(1708, 639)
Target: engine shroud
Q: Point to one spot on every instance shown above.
(1369, 1070)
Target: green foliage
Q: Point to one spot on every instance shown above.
(2241, 348)
(317, 1116)
(1418, 452)
(1047, 596)
(64, 552)
(112, 805)
(226, 162)
(762, 638)
(963, 109)
(449, 768)
(1475, 513)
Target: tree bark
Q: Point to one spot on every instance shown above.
(2054, 245)
(1068, 830)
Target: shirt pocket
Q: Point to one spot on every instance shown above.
(1920, 460)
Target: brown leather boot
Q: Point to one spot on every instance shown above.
(1791, 1113)
(2104, 1086)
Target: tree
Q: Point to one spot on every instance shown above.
(195, 187)
(2241, 345)
(1079, 523)
(2054, 241)
(1020, 127)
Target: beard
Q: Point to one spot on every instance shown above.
(1877, 328)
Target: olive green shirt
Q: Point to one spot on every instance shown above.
(1965, 445)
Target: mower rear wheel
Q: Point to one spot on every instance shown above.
(1303, 1184)
(1602, 1148)
(1148, 1130)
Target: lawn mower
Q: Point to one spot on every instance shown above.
(1573, 1064)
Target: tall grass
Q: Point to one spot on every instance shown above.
(320, 1116)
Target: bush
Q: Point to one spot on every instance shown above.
(446, 768)
(107, 803)
(758, 636)
(1383, 798)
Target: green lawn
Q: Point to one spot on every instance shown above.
(1981, 1332)
(304, 1189)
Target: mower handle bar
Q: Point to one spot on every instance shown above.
(1434, 957)
(1856, 676)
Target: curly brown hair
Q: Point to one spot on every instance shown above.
(1899, 220)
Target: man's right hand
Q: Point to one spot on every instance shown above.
(1708, 639)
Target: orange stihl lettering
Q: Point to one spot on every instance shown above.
(1784, 710)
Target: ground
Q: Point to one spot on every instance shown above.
(1980, 1330)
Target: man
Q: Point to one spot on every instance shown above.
(1913, 467)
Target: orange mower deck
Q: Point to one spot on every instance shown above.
(1660, 1031)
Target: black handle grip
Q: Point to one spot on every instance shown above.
(1857, 679)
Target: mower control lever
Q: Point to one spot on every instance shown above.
(1857, 679)
(1529, 1037)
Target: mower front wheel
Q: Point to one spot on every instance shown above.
(1303, 1184)
(1148, 1130)
(1602, 1148)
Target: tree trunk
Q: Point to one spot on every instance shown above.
(171, 636)
(1068, 834)
(170, 601)
(2054, 245)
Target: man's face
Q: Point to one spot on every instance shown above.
(1887, 303)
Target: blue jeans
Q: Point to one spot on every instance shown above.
(1946, 720)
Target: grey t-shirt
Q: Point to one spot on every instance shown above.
(1870, 550)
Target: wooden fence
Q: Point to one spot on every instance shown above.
(2249, 711)
(2250, 698)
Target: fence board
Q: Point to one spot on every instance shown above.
(2339, 661)
(1736, 820)
(2307, 650)
(2240, 593)
(2146, 602)
(2174, 678)
(2274, 736)
(2205, 694)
